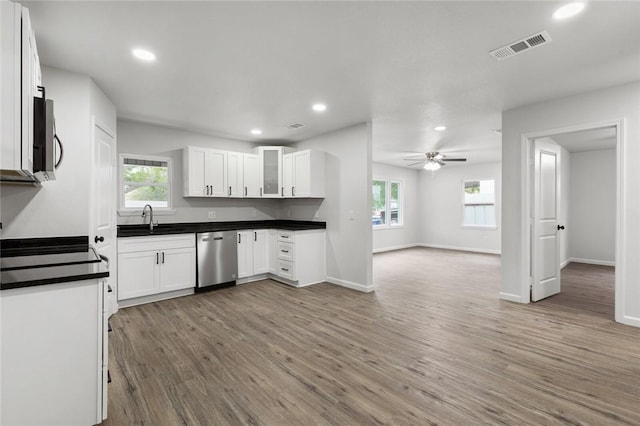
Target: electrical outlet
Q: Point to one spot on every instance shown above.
(212, 214)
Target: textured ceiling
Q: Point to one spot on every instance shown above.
(224, 68)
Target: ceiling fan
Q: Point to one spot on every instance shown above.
(432, 160)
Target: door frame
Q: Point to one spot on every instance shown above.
(526, 141)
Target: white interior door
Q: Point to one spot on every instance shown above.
(545, 250)
(103, 209)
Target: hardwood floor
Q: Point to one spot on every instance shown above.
(432, 345)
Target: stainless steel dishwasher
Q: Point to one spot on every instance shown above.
(217, 259)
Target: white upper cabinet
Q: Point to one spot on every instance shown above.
(303, 174)
(19, 78)
(204, 172)
(251, 175)
(270, 171)
(235, 174)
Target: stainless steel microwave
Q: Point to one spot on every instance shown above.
(46, 156)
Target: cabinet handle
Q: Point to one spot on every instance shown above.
(109, 329)
(108, 376)
(283, 191)
(109, 289)
(239, 238)
(284, 236)
(162, 257)
(293, 191)
(285, 251)
(255, 236)
(157, 258)
(229, 191)
(245, 191)
(261, 191)
(206, 189)
(284, 269)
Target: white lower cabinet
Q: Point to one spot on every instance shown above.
(301, 256)
(294, 257)
(253, 253)
(54, 359)
(157, 264)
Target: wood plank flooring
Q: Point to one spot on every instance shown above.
(432, 345)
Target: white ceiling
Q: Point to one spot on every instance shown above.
(587, 140)
(224, 68)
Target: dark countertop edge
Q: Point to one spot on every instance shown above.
(97, 259)
(54, 280)
(196, 227)
(49, 265)
(48, 245)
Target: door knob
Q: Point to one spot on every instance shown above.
(560, 227)
(98, 239)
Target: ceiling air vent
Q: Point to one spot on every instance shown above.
(294, 126)
(519, 46)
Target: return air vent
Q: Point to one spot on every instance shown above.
(519, 46)
(294, 126)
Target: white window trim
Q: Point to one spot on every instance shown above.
(160, 211)
(495, 206)
(387, 225)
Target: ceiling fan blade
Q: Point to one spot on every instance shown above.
(440, 162)
(415, 164)
(414, 159)
(454, 159)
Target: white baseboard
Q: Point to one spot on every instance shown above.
(350, 284)
(592, 261)
(154, 298)
(404, 246)
(471, 249)
(565, 263)
(512, 297)
(632, 321)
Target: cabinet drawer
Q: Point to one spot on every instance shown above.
(286, 236)
(285, 251)
(286, 270)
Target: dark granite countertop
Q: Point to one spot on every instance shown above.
(32, 262)
(193, 227)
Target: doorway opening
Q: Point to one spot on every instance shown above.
(574, 183)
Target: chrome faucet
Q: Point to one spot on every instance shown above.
(150, 215)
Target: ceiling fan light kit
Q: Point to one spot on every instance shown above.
(432, 161)
(431, 166)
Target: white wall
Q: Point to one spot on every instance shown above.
(60, 207)
(140, 138)
(440, 208)
(620, 102)
(593, 206)
(389, 238)
(346, 207)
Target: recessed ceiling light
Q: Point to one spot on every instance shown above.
(144, 55)
(440, 128)
(568, 10)
(256, 132)
(319, 107)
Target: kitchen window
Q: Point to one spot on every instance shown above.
(145, 180)
(387, 203)
(479, 203)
